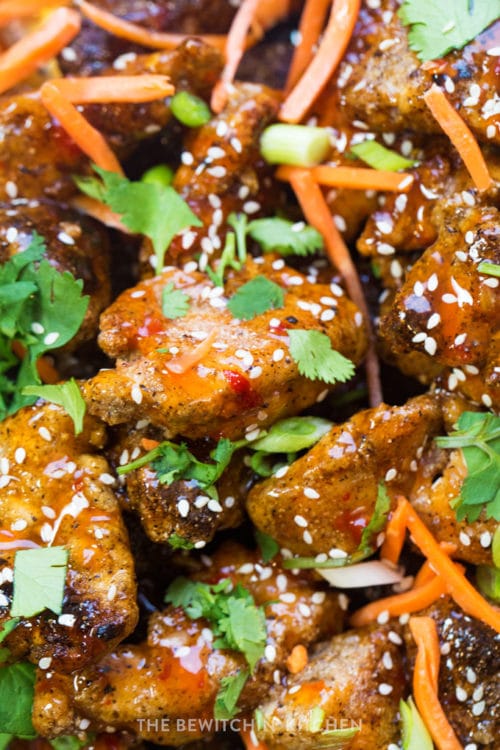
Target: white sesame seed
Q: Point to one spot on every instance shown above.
(310, 493)
(387, 660)
(461, 694)
(270, 653)
(278, 355)
(11, 189)
(281, 472)
(306, 536)
(385, 689)
(51, 338)
(11, 234)
(45, 662)
(383, 248)
(287, 597)
(383, 617)
(106, 478)
(471, 746)
(229, 501)
(327, 315)
(214, 506)
(304, 609)
(471, 677)
(183, 507)
(337, 554)
(251, 207)
(395, 638)
(478, 708)
(318, 597)
(485, 539)
(464, 538)
(45, 434)
(65, 238)
(390, 475)
(300, 521)
(68, 620)
(136, 393)
(487, 400)
(433, 321)
(430, 345)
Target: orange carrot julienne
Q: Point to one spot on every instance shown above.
(425, 688)
(460, 136)
(140, 35)
(317, 213)
(99, 211)
(179, 365)
(337, 35)
(105, 89)
(44, 366)
(459, 588)
(13, 10)
(426, 573)
(91, 142)
(356, 178)
(311, 24)
(247, 739)
(297, 659)
(37, 47)
(395, 533)
(400, 604)
(148, 444)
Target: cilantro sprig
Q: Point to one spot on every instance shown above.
(228, 694)
(40, 309)
(316, 359)
(17, 690)
(39, 577)
(154, 210)
(174, 302)
(66, 395)
(478, 437)
(237, 622)
(256, 297)
(437, 28)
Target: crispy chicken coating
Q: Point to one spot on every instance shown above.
(327, 497)
(74, 243)
(56, 490)
(245, 377)
(353, 682)
(176, 674)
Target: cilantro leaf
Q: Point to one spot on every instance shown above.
(41, 309)
(256, 297)
(17, 686)
(70, 742)
(66, 395)
(8, 627)
(5, 740)
(174, 302)
(233, 615)
(380, 157)
(39, 577)
(312, 351)
(376, 523)
(436, 29)
(226, 260)
(478, 436)
(491, 269)
(176, 541)
(268, 546)
(228, 695)
(173, 461)
(286, 237)
(151, 209)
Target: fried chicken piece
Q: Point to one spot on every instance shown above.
(40, 159)
(224, 172)
(353, 682)
(181, 508)
(450, 311)
(383, 81)
(244, 374)
(176, 674)
(55, 489)
(327, 497)
(74, 243)
(469, 674)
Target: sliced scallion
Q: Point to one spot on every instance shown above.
(160, 174)
(190, 110)
(415, 734)
(488, 581)
(380, 157)
(298, 145)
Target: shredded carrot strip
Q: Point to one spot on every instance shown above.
(395, 533)
(460, 135)
(317, 213)
(105, 89)
(464, 594)
(337, 35)
(179, 365)
(100, 212)
(355, 178)
(140, 35)
(13, 10)
(247, 740)
(426, 573)
(148, 444)
(297, 659)
(44, 366)
(425, 687)
(34, 49)
(410, 601)
(235, 46)
(91, 142)
(311, 24)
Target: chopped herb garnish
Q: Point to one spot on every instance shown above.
(147, 208)
(173, 461)
(70, 742)
(438, 28)
(160, 174)
(177, 541)
(39, 577)
(227, 260)
(285, 237)
(478, 436)
(488, 581)
(299, 145)
(380, 157)
(237, 622)
(491, 269)
(256, 297)
(292, 434)
(268, 546)
(40, 309)
(376, 524)
(17, 687)
(66, 395)
(174, 302)
(8, 627)
(190, 109)
(312, 351)
(228, 695)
